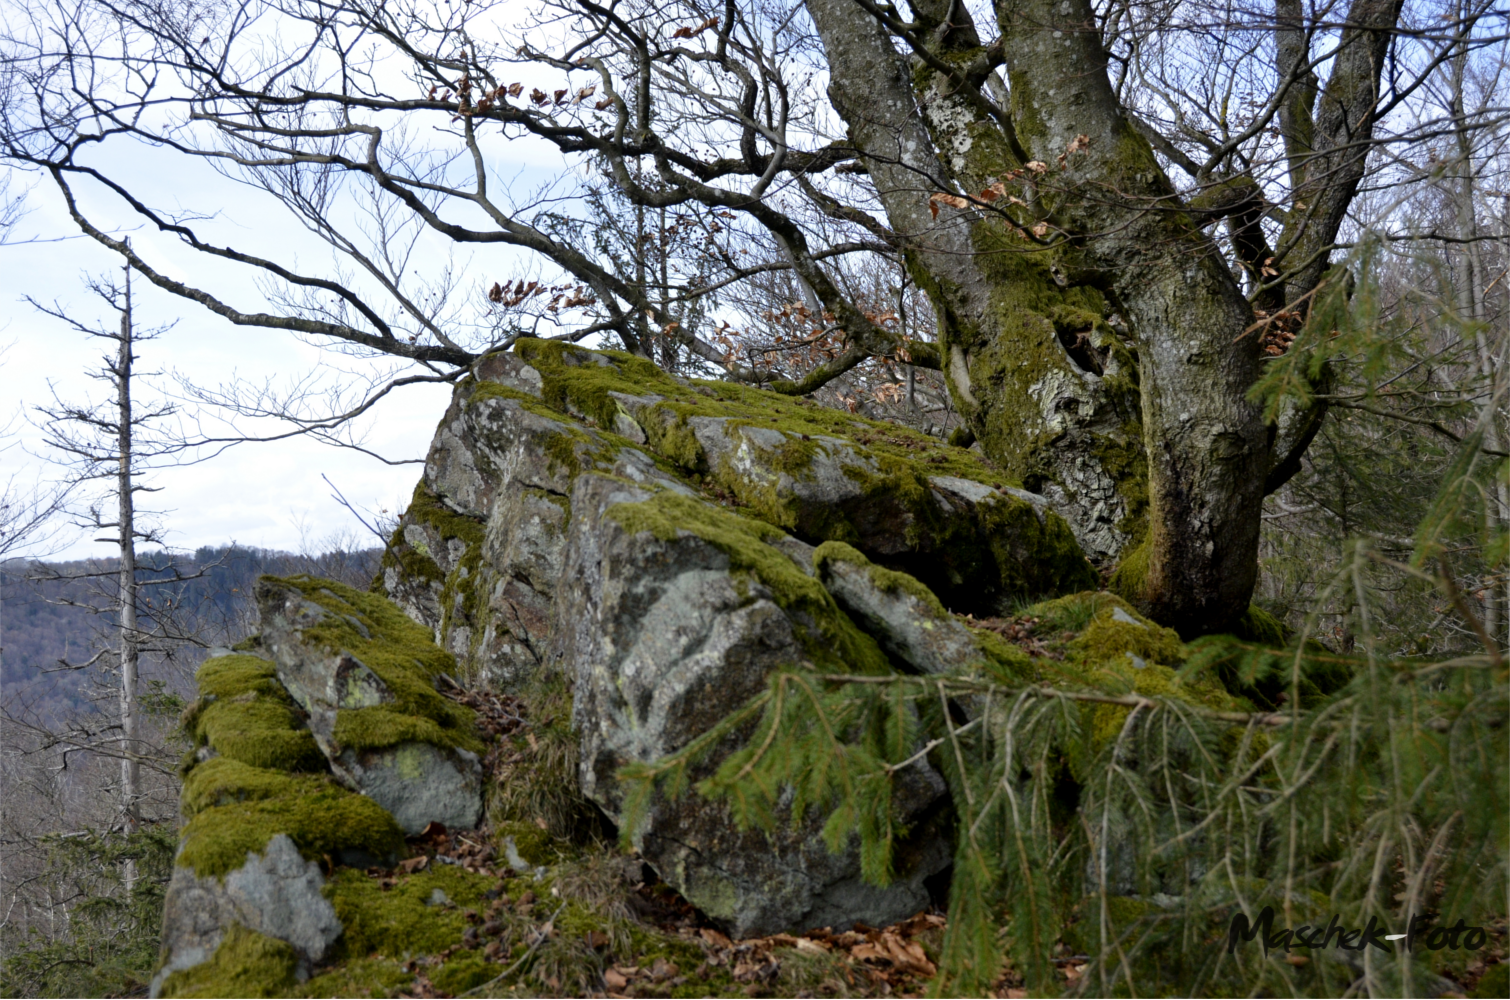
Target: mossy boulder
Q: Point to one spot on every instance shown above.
(678, 612)
(649, 540)
(245, 907)
(366, 674)
(267, 917)
(905, 618)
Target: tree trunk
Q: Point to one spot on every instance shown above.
(1472, 314)
(1101, 361)
(126, 616)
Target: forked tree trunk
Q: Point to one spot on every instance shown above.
(1102, 358)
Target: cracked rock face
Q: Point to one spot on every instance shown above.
(662, 560)
(276, 893)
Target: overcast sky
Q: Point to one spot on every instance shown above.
(266, 495)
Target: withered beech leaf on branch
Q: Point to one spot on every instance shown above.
(692, 32)
(940, 198)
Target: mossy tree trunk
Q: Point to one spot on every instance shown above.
(1091, 328)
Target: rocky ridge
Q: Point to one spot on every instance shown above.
(604, 561)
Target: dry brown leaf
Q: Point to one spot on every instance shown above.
(715, 938)
(614, 980)
(1037, 166)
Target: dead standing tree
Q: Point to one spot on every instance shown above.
(115, 443)
(1103, 238)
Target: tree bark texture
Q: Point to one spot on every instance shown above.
(1091, 329)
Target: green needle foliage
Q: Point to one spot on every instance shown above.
(1382, 799)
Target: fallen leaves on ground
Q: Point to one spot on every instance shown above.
(1018, 631)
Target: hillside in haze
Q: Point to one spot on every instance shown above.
(48, 625)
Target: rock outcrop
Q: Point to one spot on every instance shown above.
(604, 563)
(329, 751)
(366, 683)
(652, 541)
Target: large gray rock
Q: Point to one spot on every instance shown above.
(664, 637)
(575, 517)
(417, 780)
(276, 893)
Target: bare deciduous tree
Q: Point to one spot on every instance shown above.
(1115, 209)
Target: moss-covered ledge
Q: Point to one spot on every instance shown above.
(399, 651)
(256, 772)
(909, 501)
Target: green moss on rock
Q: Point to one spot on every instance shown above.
(243, 713)
(1110, 635)
(1008, 549)
(401, 653)
(236, 809)
(888, 581)
(833, 639)
(1257, 625)
(245, 964)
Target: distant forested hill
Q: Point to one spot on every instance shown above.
(46, 623)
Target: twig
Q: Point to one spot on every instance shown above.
(545, 933)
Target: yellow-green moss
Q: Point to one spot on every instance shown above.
(245, 964)
(1131, 574)
(244, 713)
(1097, 658)
(835, 641)
(1257, 625)
(1073, 612)
(1107, 638)
(1009, 663)
(224, 780)
(238, 811)
(574, 382)
(402, 654)
(1009, 551)
(414, 562)
(399, 922)
(532, 842)
(238, 674)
